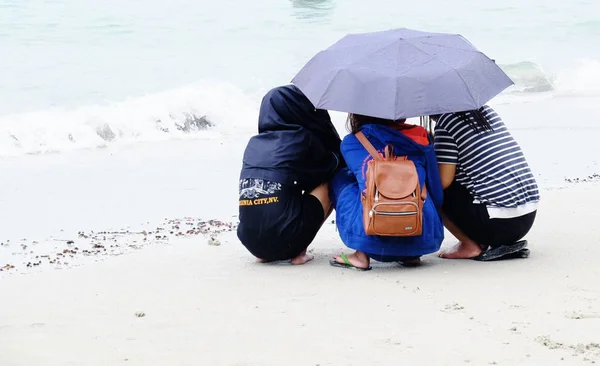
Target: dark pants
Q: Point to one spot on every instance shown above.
(473, 219)
(390, 258)
(277, 222)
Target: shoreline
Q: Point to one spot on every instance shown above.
(85, 247)
(75, 249)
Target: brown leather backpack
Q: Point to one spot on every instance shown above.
(393, 203)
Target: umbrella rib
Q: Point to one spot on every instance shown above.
(337, 71)
(450, 67)
(461, 49)
(464, 82)
(444, 46)
(396, 87)
(371, 53)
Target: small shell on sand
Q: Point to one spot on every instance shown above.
(111, 243)
(140, 314)
(214, 241)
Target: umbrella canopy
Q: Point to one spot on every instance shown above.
(401, 73)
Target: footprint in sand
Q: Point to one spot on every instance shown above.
(589, 351)
(581, 315)
(452, 308)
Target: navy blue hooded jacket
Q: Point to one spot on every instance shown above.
(296, 143)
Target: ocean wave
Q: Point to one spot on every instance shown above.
(531, 80)
(528, 77)
(209, 109)
(201, 110)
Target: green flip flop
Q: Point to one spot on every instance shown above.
(346, 264)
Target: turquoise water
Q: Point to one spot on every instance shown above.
(72, 67)
(77, 75)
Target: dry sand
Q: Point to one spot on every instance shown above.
(190, 303)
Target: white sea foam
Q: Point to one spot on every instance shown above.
(202, 110)
(534, 83)
(582, 80)
(210, 108)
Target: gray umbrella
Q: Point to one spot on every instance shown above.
(401, 73)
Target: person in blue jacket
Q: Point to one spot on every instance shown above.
(348, 183)
(283, 191)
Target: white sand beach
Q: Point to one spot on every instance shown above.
(122, 129)
(212, 305)
(98, 236)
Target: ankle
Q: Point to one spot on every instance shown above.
(470, 244)
(362, 256)
(473, 248)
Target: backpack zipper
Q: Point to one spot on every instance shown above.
(383, 213)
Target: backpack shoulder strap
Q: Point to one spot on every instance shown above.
(370, 148)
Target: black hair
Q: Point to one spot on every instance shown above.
(474, 118)
(356, 121)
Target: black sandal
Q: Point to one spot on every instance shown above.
(516, 250)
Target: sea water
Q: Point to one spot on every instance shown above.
(81, 74)
(124, 111)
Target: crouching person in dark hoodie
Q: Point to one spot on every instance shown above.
(284, 197)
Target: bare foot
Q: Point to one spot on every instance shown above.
(302, 258)
(299, 259)
(462, 250)
(358, 259)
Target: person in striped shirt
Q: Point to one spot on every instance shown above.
(490, 193)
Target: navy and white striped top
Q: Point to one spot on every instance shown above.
(490, 164)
